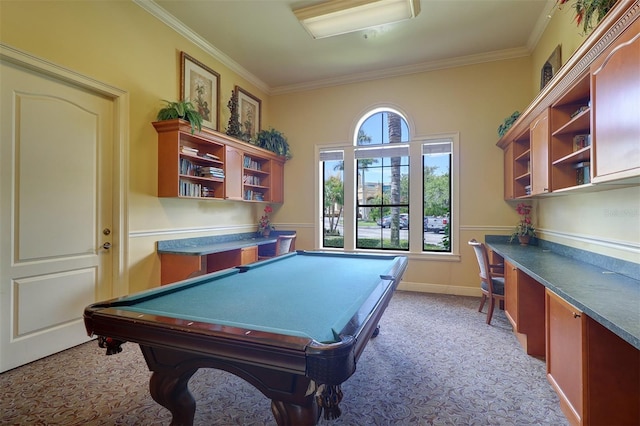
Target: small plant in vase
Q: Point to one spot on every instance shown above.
(264, 224)
(525, 229)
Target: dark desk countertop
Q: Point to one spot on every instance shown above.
(609, 298)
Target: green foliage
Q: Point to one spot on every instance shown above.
(233, 128)
(508, 122)
(436, 193)
(274, 141)
(181, 109)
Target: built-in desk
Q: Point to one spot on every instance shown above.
(189, 257)
(590, 308)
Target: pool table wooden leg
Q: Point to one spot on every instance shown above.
(170, 390)
(288, 414)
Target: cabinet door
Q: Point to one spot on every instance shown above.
(233, 173)
(565, 331)
(540, 154)
(511, 294)
(248, 255)
(508, 172)
(616, 106)
(277, 182)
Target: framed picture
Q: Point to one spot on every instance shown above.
(200, 85)
(550, 67)
(249, 110)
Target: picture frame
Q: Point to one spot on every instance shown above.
(551, 66)
(249, 112)
(200, 85)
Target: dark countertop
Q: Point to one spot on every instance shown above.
(201, 246)
(609, 298)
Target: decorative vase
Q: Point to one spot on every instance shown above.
(266, 232)
(524, 240)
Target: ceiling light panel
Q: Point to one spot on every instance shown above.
(337, 17)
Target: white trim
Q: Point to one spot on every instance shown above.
(186, 32)
(625, 246)
(440, 289)
(499, 55)
(120, 98)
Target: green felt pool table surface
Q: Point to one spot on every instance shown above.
(299, 295)
(293, 326)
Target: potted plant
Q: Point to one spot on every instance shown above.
(264, 224)
(524, 230)
(181, 109)
(587, 10)
(274, 141)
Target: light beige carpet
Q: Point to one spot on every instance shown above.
(435, 362)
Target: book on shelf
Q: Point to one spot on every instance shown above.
(583, 172)
(211, 172)
(189, 150)
(251, 180)
(581, 141)
(250, 163)
(579, 110)
(211, 156)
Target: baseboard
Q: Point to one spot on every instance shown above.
(439, 288)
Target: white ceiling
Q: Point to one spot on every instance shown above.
(263, 41)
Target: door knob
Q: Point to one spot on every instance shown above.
(106, 245)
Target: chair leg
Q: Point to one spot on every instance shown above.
(492, 304)
(484, 299)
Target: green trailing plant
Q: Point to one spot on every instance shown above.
(588, 11)
(274, 141)
(508, 122)
(181, 109)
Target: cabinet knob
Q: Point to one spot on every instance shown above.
(576, 315)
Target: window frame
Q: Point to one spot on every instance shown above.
(415, 193)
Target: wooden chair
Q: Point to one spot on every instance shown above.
(492, 281)
(284, 244)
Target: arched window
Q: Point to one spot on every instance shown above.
(387, 190)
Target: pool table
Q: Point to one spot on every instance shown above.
(293, 326)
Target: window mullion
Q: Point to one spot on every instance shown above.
(350, 193)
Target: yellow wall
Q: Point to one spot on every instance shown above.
(119, 43)
(471, 100)
(606, 222)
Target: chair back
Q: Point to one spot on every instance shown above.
(483, 262)
(285, 244)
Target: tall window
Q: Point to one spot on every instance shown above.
(384, 192)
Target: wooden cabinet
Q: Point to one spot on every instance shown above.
(540, 154)
(571, 137)
(615, 78)
(209, 164)
(234, 179)
(583, 128)
(189, 165)
(524, 308)
(595, 373)
(517, 167)
(178, 267)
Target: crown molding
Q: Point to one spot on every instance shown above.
(165, 17)
(404, 70)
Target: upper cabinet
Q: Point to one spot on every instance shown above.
(209, 164)
(615, 79)
(584, 127)
(540, 154)
(571, 137)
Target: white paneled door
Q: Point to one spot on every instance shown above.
(56, 145)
